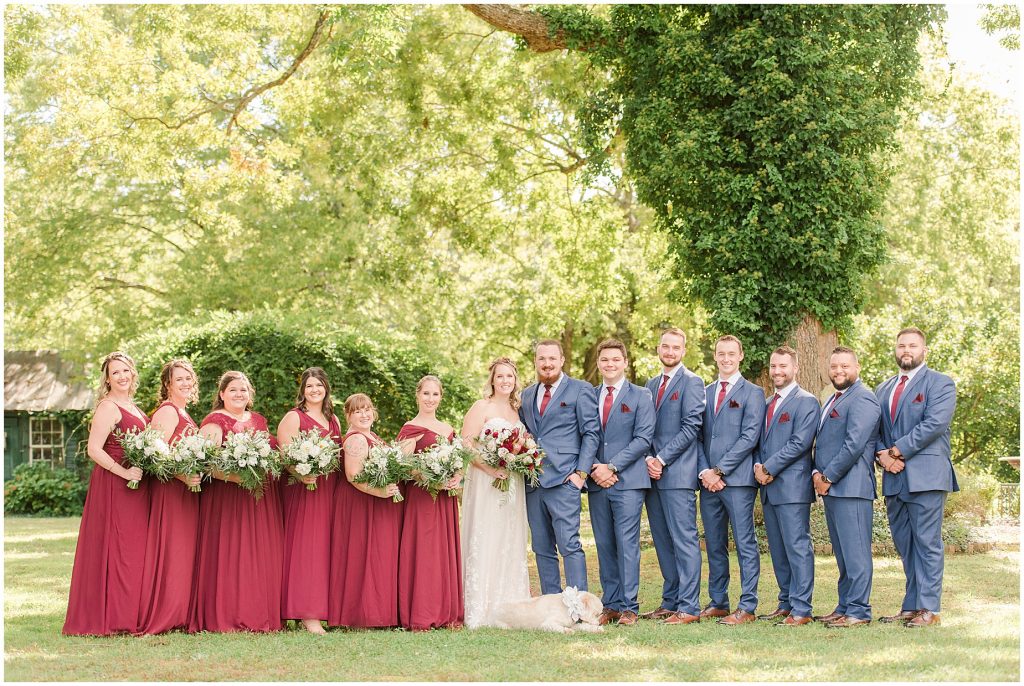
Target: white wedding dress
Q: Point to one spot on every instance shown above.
(494, 541)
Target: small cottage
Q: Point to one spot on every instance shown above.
(44, 400)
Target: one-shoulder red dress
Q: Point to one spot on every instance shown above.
(307, 536)
(240, 552)
(429, 556)
(171, 548)
(363, 589)
(106, 580)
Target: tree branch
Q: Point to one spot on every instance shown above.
(121, 283)
(533, 28)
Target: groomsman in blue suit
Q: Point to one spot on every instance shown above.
(783, 469)
(913, 449)
(561, 414)
(619, 480)
(844, 476)
(733, 417)
(673, 463)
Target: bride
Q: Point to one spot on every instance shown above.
(493, 523)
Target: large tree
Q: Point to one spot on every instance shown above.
(758, 134)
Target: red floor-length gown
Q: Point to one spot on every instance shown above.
(307, 536)
(240, 552)
(364, 556)
(171, 548)
(106, 580)
(429, 557)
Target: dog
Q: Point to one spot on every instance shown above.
(565, 612)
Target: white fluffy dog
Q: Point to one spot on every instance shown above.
(564, 612)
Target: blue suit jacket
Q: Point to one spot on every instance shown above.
(921, 432)
(626, 439)
(844, 450)
(786, 446)
(568, 430)
(731, 437)
(677, 430)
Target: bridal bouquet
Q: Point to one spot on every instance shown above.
(146, 450)
(385, 465)
(249, 456)
(192, 454)
(438, 464)
(311, 454)
(513, 450)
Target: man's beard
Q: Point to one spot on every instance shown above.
(907, 366)
(846, 384)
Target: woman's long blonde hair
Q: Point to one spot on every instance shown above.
(104, 389)
(514, 398)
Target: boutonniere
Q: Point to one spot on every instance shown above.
(784, 418)
(833, 414)
(919, 398)
(625, 408)
(733, 403)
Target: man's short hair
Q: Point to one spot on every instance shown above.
(839, 349)
(615, 343)
(913, 329)
(675, 331)
(730, 337)
(549, 341)
(787, 350)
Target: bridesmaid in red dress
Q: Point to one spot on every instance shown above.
(240, 552)
(106, 580)
(173, 513)
(364, 537)
(429, 557)
(308, 514)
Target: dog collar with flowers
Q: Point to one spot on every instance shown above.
(572, 600)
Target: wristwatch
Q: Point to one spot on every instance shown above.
(612, 468)
(718, 471)
(893, 455)
(824, 478)
(581, 474)
(766, 472)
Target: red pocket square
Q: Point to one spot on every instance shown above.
(733, 403)
(784, 418)
(675, 396)
(625, 408)
(563, 405)
(919, 398)
(833, 414)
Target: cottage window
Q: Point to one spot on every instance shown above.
(46, 440)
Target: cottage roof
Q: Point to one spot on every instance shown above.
(39, 380)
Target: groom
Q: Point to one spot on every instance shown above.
(561, 414)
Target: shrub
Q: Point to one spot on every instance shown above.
(976, 497)
(39, 489)
(273, 353)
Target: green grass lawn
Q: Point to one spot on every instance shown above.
(978, 641)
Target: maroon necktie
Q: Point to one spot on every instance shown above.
(721, 396)
(607, 407)
(661, 389)
(546, 399)
(771, 410)
(832, 402)
(896, 397)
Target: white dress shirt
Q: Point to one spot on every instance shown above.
(540, 390)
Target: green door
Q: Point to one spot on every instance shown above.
(15, 441)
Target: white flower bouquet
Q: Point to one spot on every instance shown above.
(146, 450)
(311, 453)
(249, 456)
(191, 455)
(513, 450)
(385, 465)
(438, 464)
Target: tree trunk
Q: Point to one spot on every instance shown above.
(814, 347)
(566, 339)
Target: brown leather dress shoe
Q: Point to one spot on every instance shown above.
(831, 617)
(627, 618)
(905, 616)
(795, 620)
(778, 614)
(846, 622)
(608, 616)
(738, 617)
(660, 613)
(926, 618)
(682, 618)
(709, 612)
